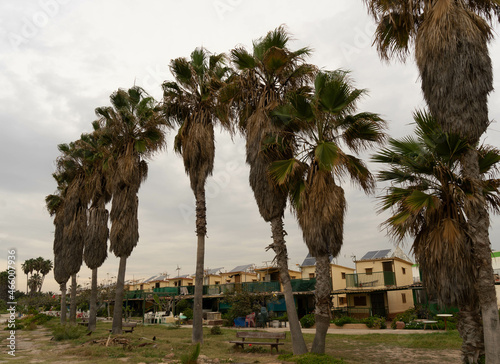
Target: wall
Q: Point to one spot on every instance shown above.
(395, 301)
(403, 279)
(336, 271)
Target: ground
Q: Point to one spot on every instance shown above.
(168, 346)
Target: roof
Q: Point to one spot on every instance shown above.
(241, 268)
(214, 271)
(310, 260)
(158, 277)
(386, 254)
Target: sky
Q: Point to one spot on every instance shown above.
(61, 59)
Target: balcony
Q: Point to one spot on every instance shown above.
(376, 279)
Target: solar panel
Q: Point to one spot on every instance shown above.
(214, 271)
(369, 255)
(241, 268)
(382, 254)
(310, 260)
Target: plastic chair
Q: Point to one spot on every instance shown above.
(250, 320)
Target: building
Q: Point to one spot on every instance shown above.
(382, 285)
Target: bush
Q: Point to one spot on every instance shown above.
(38, 319)
(68, 332)
(376, 322)
(344, 320)
(407, 317)
(215, 330)
(188, 312)
(310, 358)
(308, 320)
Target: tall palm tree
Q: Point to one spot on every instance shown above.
(54, 205)
(265, 76)
(326, 124)
(450, 38)
(71, 173)
(431, 199)
(191, 102)
(97, 233)
(132, 132)
(44, 268)
(27, 268)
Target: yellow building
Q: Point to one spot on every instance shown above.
(240, 274)
(338, 274)
(213, 277)
(382, 284)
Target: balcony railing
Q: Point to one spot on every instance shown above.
(298, 285)
(376, 279)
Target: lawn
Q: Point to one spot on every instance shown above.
(161, 344)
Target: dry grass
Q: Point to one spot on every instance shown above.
(170, 344)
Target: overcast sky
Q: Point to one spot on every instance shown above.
(60, 60)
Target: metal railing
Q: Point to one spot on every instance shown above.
(375, 279)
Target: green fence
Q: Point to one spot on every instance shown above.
(375, 279)
(303, 285)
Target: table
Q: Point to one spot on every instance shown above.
(444, 316)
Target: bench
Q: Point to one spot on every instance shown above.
(259, 335)
(127, 326)
(84, 322)
(430, 322)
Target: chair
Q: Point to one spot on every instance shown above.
(250, 320)
(148, 318)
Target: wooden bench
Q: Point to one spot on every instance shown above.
(259, 335)
(84, 322)
(127, 326)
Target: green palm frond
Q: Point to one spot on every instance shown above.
(242, 59)
(327, 155)
(284, 171)
(181, 70)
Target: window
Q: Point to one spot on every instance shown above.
(311, 275)
(404, 270)
(368, 271)
(359, 300)
(157, 285)
(403, 297)
(190, 284)
(342, 300)
(217, 282)
(292, 277)
(343, 275)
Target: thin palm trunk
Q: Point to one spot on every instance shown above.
(201, 229)
(471, 332)
(322, 303)
(485, 285)
(72, 306)
(63, 303)
(118, 309)
(298, 344)
(93, 302)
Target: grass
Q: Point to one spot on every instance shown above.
(174, 344)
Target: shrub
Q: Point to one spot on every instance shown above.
(407, 316)
(310, 358)
(308, 320)
(343, 320)
(215, 330)
(376, 322)
(188, 312)
(67, 332)
(38, 319)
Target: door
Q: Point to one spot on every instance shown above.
(389, 279)
(378, 304)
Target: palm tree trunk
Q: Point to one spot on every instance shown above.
(279, 246)
(27, 283)
(471, 332)
(93, 302)
(72, 305)
(63, 303)
(201, 231)
(323, 303)
(118, 309)
(485, 283)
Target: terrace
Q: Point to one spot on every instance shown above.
(370, 280)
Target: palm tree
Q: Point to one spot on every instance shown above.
(27, 268)
(191, 102)
(96, 236)
(54, 205)
(71, 174)
(132, 132)
(431, 198)
(265, 76)
(44, 269)
(450, 38)
(34, 283)
(326, 124)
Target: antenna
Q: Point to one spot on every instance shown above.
(178, 270)
(353, 257)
